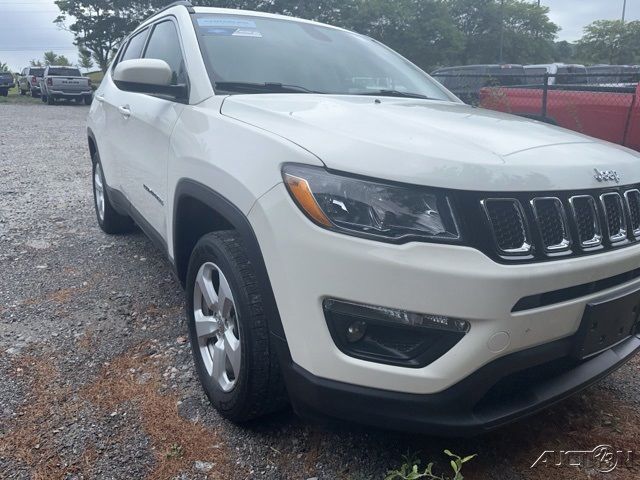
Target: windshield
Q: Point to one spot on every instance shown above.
(312, 58)
(36, 72)
(64, 72)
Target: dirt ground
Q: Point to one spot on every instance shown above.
(96, 378)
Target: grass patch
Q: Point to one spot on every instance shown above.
(96, 77)
(15, 97)
(134, 380)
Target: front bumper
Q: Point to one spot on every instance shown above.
(510, 388)
(61, 94)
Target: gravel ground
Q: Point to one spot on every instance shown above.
(96, 379)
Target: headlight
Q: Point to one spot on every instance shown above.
(373, 209)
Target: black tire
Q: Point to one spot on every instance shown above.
(51, 100)
(111, 222)
(4, 93)
(259, 388)
(88, 99)
(34, 94)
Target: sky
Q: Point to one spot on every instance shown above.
(27, 29)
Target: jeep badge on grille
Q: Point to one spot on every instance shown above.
(606, 175)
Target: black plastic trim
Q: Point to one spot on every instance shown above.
(455, 411)
(121, 203)
(187, 188)
(577, 291)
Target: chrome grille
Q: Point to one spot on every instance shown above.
(509, 225)
(614, 216)
(552, 223)
(529, 227)
(633, 203)
(585, 215)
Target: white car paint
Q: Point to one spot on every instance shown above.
(237, 146)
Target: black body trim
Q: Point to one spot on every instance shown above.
(187, 188)
(571, 293)
(122, 204)
(468, 408)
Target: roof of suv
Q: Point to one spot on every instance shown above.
(237, 12)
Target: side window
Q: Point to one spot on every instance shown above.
(164, 44)
(135, 46)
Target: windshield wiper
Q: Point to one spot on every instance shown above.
(395, 93)
(267, 87)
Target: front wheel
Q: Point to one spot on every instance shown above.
(235, 361)
(88, 99)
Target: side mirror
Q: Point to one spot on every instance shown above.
(148, 75)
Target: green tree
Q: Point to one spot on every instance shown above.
(35, 62)
(610, 41)
(100, 25)
(4, 67)
(421, 30)
(52, 58)
(85, 61)
(523, 28)
(564, 52)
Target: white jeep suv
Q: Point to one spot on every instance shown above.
(355, 240)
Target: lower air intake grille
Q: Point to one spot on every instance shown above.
(509, 225)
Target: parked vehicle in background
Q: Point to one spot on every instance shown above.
(607, 113)
(6, 83)
(354, 238)
(561, 74)
(613, 74)
(29, 80)
(466, 81)
(65, 83)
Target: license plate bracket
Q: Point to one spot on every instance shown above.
(607, 322)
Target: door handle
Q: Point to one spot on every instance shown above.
(124, 111)
(100, 98)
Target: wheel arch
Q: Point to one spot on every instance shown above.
(198, 210)
(93, 146)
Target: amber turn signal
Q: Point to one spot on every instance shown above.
(301, 191)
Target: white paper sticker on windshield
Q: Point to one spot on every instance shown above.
(225, 22)
(241, 32)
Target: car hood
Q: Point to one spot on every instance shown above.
(434, 143)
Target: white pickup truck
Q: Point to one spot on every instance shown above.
(65, 83)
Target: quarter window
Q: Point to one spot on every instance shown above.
(164, 44)
(136, 44)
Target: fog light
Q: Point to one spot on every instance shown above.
(391, 336)
(356, 331)
(401, 317)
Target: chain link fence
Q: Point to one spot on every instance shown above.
(604, 107)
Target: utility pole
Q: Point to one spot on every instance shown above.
(502, 29)
(624, 10)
